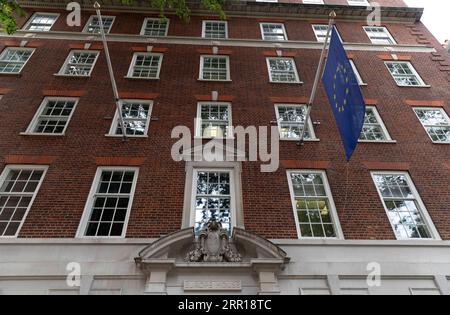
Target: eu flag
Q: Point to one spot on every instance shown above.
(344, 94)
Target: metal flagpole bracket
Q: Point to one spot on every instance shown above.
(110, 70)
(319, 73)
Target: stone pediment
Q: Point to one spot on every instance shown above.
(175, 247)
(213, 252)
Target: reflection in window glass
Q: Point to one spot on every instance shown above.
(312, 205)
(403, 209)
(213, 199)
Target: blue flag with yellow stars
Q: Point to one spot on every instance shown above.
(344, 94)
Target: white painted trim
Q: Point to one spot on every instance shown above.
(297, 78)
(357, 73)
(423, 210)
(383, 127)
(280, 242)
(200, 74)
(3, 175)
(214, 21)
(24, 64)
(142, 33)
(90, 202)
(233, 193)
(444, 113)
(34, 121)
(112, 130)
(261, 24)
(234, 167)
(133, 63)
(27, 24)
(309, 123)
(334, 215)
(103, 16)
(386, 31)
(66, 62)
(231, 42)
(413, 70)
(198, 126)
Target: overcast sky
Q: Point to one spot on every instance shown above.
(435, 17)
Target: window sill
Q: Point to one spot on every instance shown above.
(378, 142)
(204, 80)
(135, 78)
(212, 138)
(297, 83)
(297, 140)
(363, 84)
(11, 74)
(42, 134)
(415, 86)
(128, 136)
(441, 142)
(72, 76)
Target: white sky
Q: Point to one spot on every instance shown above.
(435, 17)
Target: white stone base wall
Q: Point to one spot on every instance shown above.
(39, 266)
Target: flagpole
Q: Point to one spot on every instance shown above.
(110, 70)
(319, 72)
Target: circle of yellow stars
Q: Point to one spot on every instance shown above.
(341, 70)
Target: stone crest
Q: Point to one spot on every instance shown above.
(213, 245)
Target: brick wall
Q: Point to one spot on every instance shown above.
(158, 201)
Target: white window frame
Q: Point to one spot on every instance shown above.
(35, 120)
(3, 175)
(30, 20)
(444, 113)
(310, 125)
(90, 202)
(414, 72)
(423, 210)
(202, 58)
(357, 73)
(261, 27)
(334, 215)
(232, 193)
(214, 21)
(91, 18)
(142, 33)
(115, 123)
(133, 64)
(297, 78)
(4, 51)
(386, 32)
(192, 168)
(66, 63)
(313, 2)
(198, 120)
(362, 3)
(382, 125)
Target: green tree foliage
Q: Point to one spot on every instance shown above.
(181, 8)
(9, 11)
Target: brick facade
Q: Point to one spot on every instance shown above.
(158, 201)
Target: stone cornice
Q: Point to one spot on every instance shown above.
(231, 42)
(251, 8)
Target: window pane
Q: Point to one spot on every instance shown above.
(16, 193)
(282, 70)
(403, 209)
(215, 120)
(313, 205)
(111, 203)
(213, 199)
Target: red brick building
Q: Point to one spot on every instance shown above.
(72, 187)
